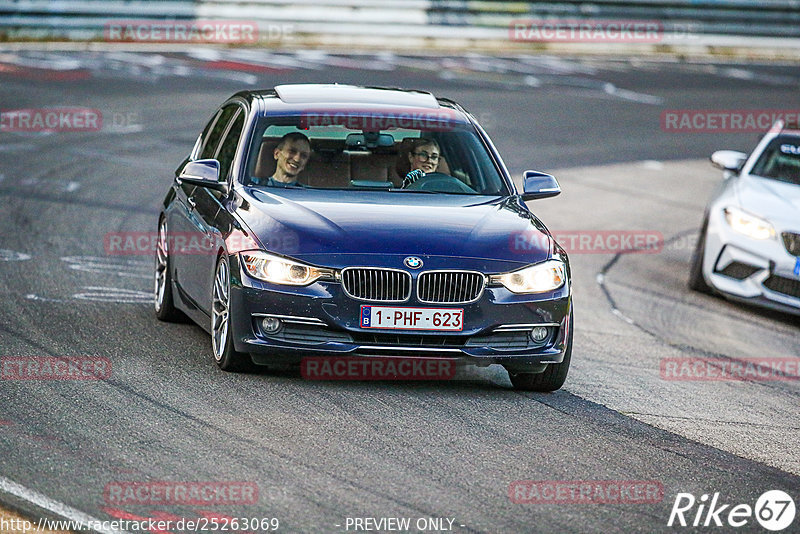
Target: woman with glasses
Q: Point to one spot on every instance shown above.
(424, 159)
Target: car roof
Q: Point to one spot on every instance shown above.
(297, 98)
(353, 94)
(790, 126)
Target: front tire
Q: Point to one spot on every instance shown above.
(553, 377)
(225, 355)
(163, 303)
(696, 280)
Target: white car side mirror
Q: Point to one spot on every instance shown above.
(728, 160)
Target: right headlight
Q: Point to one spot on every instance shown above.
(749, 225)
(539, 278)
(278, 270)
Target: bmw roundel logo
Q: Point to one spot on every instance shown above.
(412, 262)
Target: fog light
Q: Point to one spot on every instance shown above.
(271, 325)
(539, 334)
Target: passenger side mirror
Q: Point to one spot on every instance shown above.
(183, 163)
(203, 173)
(536, 185)
(728, 160)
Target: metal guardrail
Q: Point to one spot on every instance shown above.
(779, 18)
(440, 19)
(82, 19)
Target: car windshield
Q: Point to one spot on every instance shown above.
(351, 151)
(780, 160)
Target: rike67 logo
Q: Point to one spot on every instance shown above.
(774, 510)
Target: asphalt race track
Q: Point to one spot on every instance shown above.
(322, 452)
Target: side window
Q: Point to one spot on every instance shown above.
(227, 150)
(198, 145)
(212, 140)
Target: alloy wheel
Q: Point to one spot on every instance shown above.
(220, 309)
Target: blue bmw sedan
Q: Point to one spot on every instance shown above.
(335, 221)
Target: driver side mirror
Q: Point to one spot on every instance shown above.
(536, 185)
(728, 160)
(204, 173)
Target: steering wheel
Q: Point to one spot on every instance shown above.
(440, 183)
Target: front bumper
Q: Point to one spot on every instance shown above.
(321, 320)
(758, 272)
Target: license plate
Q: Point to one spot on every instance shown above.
(439, 319)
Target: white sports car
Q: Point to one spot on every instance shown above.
(749, 245)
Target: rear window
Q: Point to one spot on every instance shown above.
(355, 151)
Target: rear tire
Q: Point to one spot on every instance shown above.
(696, 280)
(225, 355)
(553, 377)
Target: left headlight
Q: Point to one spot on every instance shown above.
(539, 278)
(748, 224)
(278, 270)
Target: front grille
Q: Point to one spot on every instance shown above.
(738, 270)
(408, 340)
(792, 243)
(504, 341)
(494, 340)
(780, 284)
(382, 285)
(309, 334)
(511, 340)
(449, 287)
(316, 335)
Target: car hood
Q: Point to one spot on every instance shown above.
(779, 202)
(307, 224)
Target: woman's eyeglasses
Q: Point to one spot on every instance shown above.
(424, 156)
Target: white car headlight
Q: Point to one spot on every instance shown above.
(749, 225)
(278, 270)
(539, 278)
